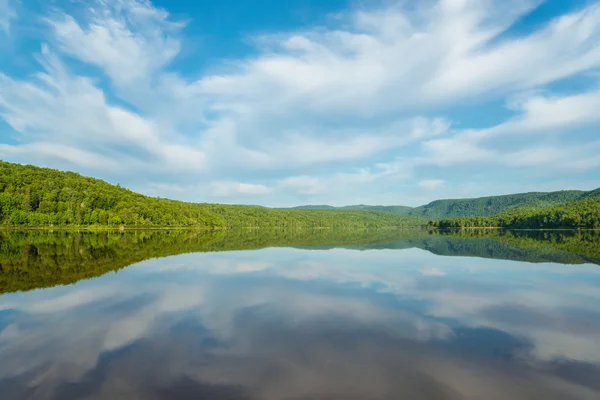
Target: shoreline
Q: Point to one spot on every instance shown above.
(194, 228)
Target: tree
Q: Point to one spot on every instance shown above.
(26, 203)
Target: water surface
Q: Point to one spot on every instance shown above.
(346, 315)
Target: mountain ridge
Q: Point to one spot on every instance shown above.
(474, 207)
(35, 196)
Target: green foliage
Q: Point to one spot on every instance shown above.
(578, 214)
(488, 206)
(312, 207)
(592, 193)
(400, 210)
(33, 196)
(479, 207)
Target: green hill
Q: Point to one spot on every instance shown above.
(591, 193)
(311, 207)
(400, 210)
(577, 214)
(477, 207)
(34, 196)
(492, 205)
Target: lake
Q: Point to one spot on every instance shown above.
(300, 315)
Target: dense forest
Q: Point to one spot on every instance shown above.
(34, 196)
(401, 210)
(36, 258)
(492, 205)
(477, 207)
(577, 214)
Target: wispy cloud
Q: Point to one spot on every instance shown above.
(308, 108)
(7, 13)
(431, 184)
(129, 40)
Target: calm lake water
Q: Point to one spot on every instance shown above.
(346, 315)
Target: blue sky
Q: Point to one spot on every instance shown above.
(294, 102)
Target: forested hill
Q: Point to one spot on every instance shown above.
(34, 196)
(400, 210)
(492, 205)
(312, 207)
(577, 214)
(477, 207)
(591, 193)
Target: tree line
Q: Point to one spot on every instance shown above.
(581, 214)
(34, 196)
(41, 197)
(481, 206)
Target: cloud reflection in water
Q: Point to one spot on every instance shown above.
(300, 324)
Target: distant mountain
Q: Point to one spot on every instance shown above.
(314, 207)
(492, 205)
(591, 193)
(401, 210)
(476, 207)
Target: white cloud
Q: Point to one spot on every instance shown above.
(210, 191)
(228, 188)
(67, 116)
(576, 158)
(7, 13)
(545, 158)
(555, 117)
(315, 72)
(304, 184)
(366, 69)
(543, 113)
(431, 184)
(365, 96)
(397, 170)
(555, 111)
(41, 150)
(455, 150)
(566, 46)
(130, 40)
(432, 271)
(538, 118)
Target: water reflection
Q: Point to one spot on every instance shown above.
(38, 259)
(284, 323)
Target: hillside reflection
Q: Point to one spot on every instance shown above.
(38, 259)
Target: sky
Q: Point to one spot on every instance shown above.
(283, 103)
